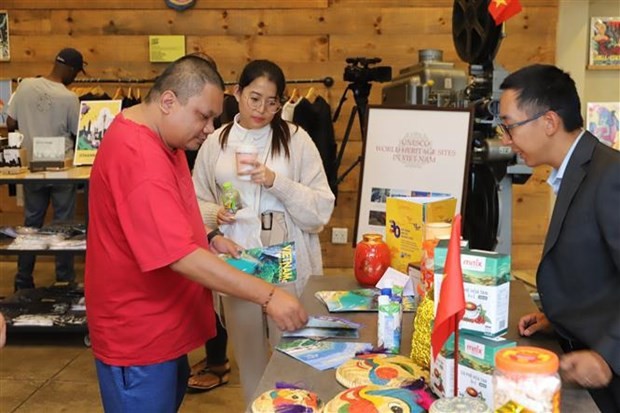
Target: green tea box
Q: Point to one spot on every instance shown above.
(442, 370)
(486, 278)
(477, 363)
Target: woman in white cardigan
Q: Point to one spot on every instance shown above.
(287, 190)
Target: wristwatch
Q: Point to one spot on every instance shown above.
(214, 234)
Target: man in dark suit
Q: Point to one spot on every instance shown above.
(579, 275)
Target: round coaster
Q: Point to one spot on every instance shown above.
(389, 370)
(284, 400)
(373, 399)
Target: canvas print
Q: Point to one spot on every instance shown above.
(605, 42)
(5, 96)
(95, 119)
(5, 50)
(602, 122)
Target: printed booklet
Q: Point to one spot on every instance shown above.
(276, 264)
(322, 355)
(321, 327)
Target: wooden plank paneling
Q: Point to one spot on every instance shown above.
(526, 256)
(424, 3)
(366, 21)
(159, 4)
(308, 39)
(134, 49)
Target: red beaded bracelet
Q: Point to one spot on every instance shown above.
(268, 300)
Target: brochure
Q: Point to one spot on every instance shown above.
(276, 264)
(320, 327)
(322, 355)
(363, 299)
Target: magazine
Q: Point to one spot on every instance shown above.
(320, 327)
(364, 299)
(322, 355)
(276, 264)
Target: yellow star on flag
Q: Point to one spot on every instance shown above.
(499, 3)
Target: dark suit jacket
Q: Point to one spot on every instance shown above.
(579, 274)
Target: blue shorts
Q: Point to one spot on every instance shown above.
(156, 388)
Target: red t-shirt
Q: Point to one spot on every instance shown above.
(143, 216)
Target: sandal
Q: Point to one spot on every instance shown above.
(198, 367)
(209, 378)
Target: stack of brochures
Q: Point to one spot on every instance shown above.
(364, 299)
(322, 355)
(321, 327)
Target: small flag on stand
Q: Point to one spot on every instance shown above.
(502, 10)
(451, 306)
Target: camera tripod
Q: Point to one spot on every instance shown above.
(361, 91)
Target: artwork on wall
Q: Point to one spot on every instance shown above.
(602, 122)
(605, 43)
(5, 50)
(95, 119)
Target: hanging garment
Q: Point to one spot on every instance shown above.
(316, 119)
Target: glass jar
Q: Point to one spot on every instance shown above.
(372, 259)
(526, 378)
(459, 405)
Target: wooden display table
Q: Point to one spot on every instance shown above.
(285, 368)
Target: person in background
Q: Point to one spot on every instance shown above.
(579, 274)
(45, 107)
(287, 190)
(149, 270)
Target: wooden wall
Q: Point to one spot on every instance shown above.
(308, 38)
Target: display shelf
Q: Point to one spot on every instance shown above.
(5, 250)
(57, 301)
(58, 305)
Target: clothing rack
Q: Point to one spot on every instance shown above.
(327, 81)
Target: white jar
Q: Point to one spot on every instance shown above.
(526, 378)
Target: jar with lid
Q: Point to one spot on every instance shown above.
(526, 378)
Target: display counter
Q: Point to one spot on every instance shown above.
(75, 175)
(284, 368)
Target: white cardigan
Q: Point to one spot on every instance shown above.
(307, 199)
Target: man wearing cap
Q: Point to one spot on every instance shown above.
(43, 106)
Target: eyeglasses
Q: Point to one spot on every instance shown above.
(256, 102)
(505, 129)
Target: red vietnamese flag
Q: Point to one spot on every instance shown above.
(451, 306)
(502, 10)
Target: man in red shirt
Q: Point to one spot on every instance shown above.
(148, 260)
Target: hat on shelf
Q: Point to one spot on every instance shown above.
(71, 57)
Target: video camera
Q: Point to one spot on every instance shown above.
(357, 70)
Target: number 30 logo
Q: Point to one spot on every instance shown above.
(394, 229)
